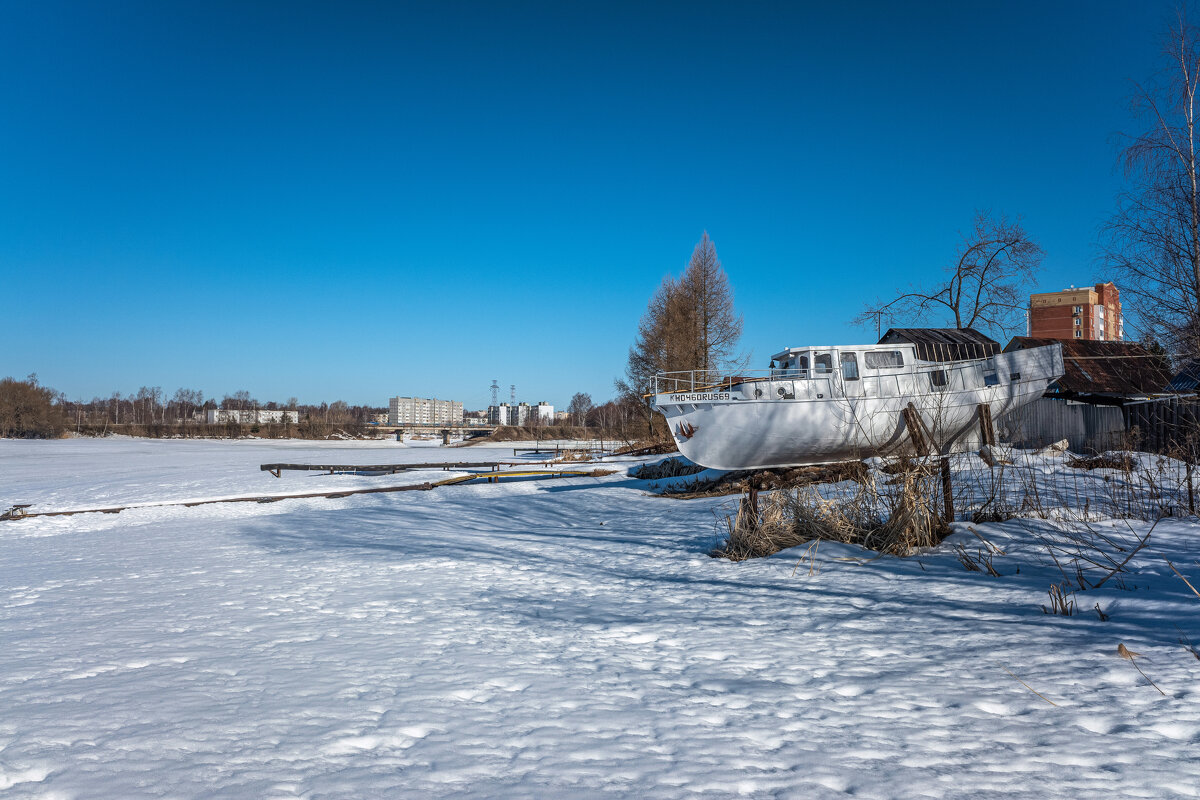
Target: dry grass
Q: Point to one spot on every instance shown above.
(980, 562)
(1060, 603)
(896, 523)
(1120, 461)
(574, 455)
(740, 481)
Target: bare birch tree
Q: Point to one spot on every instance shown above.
(986, 286)
(1153, 240)
(581, 406)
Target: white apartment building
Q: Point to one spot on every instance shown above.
(257, 416)
(521, 414)
(424, 411)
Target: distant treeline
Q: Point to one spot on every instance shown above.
(29, 410)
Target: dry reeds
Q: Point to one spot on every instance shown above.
(1115, 460)
(1060, 604)
(898, 522)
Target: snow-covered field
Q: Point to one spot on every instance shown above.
(548, 639)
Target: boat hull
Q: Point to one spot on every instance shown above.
(822, 421)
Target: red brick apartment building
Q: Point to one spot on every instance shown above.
(1092, 314)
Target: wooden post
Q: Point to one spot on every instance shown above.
(912, 421)
(1191, 491)
(986, 429)
(947, 490)
(749, 507)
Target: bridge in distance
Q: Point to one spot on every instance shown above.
(446, 431)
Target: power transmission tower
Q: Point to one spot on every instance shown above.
(495, 392)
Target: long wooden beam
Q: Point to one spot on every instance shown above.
(275, 469)
(459, 480)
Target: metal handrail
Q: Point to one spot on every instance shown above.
(686, 380)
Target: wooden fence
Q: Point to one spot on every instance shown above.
(1086, 428)
(1168, 425)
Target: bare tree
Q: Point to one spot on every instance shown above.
(188, 401)
(984, 288)
(690, 324)
(581, 404)
(28, 410)
(707, 308)
(1153, 240)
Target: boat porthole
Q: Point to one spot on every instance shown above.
(781, 391)
(758, 392)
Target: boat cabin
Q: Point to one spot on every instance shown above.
(811, 362)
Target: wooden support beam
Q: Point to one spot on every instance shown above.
(947, 490)
(912, 420)
(986, 430)
(19, 512)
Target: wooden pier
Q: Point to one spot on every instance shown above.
(558, 449)
(389, 469)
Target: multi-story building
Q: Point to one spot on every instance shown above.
(257, 416)
(1092, 314)
(521, 414)
(543, 413)
(498, 415)
(424, 411)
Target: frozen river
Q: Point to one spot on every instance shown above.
(553, 638)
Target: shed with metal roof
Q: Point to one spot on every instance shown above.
(1109, 371)
(944, 344)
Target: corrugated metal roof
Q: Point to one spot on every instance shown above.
(1187, 379)
(1121, 369)
(944, 344)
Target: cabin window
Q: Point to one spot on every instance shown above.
(823, 363)
(937, 379)
(850, 366)
(886, 359)
(990, 376)
(794, 366)
(1014, 376)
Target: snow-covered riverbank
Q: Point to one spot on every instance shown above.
(534, 639)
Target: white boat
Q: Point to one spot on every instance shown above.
(828, 404)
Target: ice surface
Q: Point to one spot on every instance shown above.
(565, 639)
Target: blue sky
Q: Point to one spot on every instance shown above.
(358, 200)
